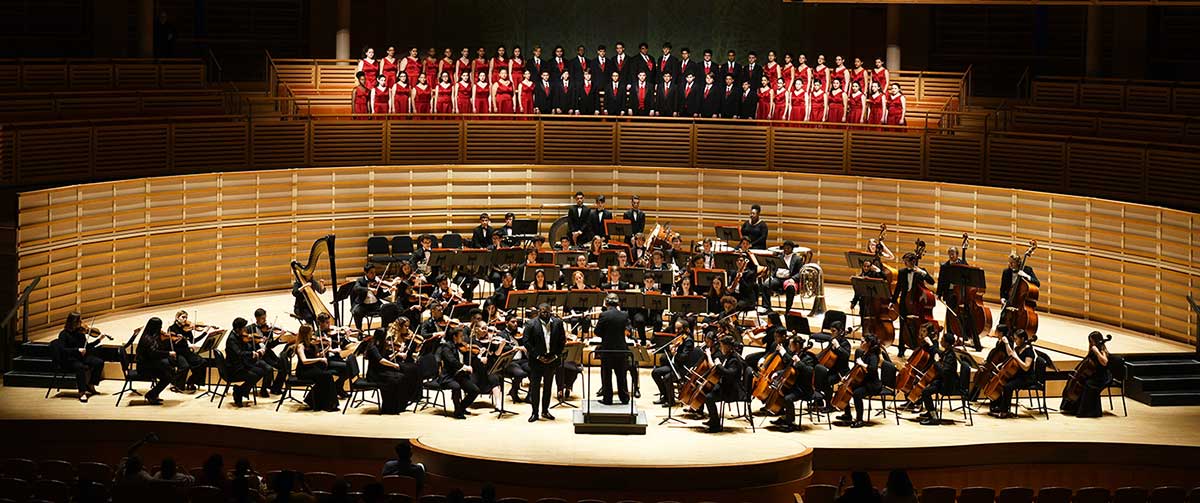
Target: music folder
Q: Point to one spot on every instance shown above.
(688, 304)
(591, 275)
(618, 227)
(635, 275)
(855, 258)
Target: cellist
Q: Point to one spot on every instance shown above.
(906, 281)
(802, 388)
(1020, 349)
(729, 364)
(947, 378)
(1088, 404)
(867, 355)
(840, 346)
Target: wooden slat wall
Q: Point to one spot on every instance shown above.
(1148, 126)
(1131, 96)
(115, 245)
(40, 75)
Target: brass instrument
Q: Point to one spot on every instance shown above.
(812, 286)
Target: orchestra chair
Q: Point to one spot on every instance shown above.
(320, 481)
(452, 241)
(205, 494)
(379, 250)
(218, 361)
(57, 469)
(434, 394)
(14, 489)
(433, 498)
(820, 493)
(1119, 383)
(977, 495)
(938, 494)
(812, 407)
(1168, 494)
(90, 471)
(887, 393)
(1036, 390)
(52, 490)
(399, 484)
(19, 468)
(59, 370)
(963, 394)
(92, 491)
(832, 316)
(742, 405)
(591, 501)
(129, 368)
(360, 386)
(402, 248)
(1053, 495)
(1091, 495)
(1015, 495)
(290, 384)
(1130, 495)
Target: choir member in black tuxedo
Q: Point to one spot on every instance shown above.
(558, 64)
(755, 229)
(666, 100)
(312, 365)
(1006, 284)
(192, 367)
(640, 96)
(867, 355)
(156, 358)
(907, 279)
(644, 62)
(786, 281)
(774, 335)
(729, 366)
(603, 65)
(729, 98)
(711, 98)
(535, 64)
(481, 235)
(579, 65)
(280, 366)
(677, 359)
(598, 216)
(667, 64)
(635, 216)
(565, 97)
(747, 102)
(622, 63)
(730, 68)
(802, 388)
(544, 339)
(368, 295)
(688, 66)
(708, 66)
(242, 361)
(946, 380)
(543, 94)
(300, 307)
(692, 97)
(78, 355)
(614, 95)
(615, 358)
(578, 226)
(456, 371)
(588, 97)
(753, 71)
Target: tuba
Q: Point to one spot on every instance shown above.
(812, 286)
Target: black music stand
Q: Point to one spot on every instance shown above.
(855, 259)
(797, 323)
(868, 289)
(618, 227)
(688, 304)
(663, 277)
(553, 297)
(546, 256)
(444, 257)
(704, 277)
(728, 233)
(607, 258)
(552, 273)
(630, 300)
(583, 300)
(635, 275)
(655, 301)
(525, 226)
(507, 256)
(566, 258)
(495, 368)
(591, 275)
(22, 304)
(521, 299)
(682, 259)
(726, 260)
(770, 261)
(663, 348)
(571, 353)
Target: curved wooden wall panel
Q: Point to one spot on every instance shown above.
(115, 245)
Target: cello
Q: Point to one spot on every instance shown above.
(919, 301)
(701, 380)
(1005, 370)
(1086, 368)
(882, 314)
(975, 319)
(921, 360)
(770, 387)
(845, 391)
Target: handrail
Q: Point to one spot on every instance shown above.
(1023, 84)
(1109, 80)
(1092, 112)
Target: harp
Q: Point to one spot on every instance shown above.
(304, 274)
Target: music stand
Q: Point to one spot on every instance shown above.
(655, 301)
(475, 257)
(630, 300)
(960, 277)
(443, 257)
(868, 289)
(521, 299)
(591, 275)
(635, 275)
(525, 226)
(855, 259)
(728, 233)
(573, 352)
(704, 277)
(566, 258)
(771, 261)
(545, 256)
(682, 259)
(618, 227)
(582, 300)
(503, 256)
(688, 304)
(797, 323)
(498, 364)
(607, 258)
(726, 260)
(663, 277)
(552, 297)
(552, 273)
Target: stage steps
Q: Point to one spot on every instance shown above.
(32, 368)
(1163, 379)
(615, 419)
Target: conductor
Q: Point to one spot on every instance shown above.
(614, 358)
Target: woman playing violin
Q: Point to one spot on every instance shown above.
(384, 352)
(314, 367)
(188, 360)
(156, 358)
(78, 355)
(1019, 348)
(455, 373)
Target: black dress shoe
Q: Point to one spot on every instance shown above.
(929, 421)
(712, 427)
(857, 424)
(533, 418)
(660, 402)
(844, 417)
(606, 402)
(546, 415)
(637, 393)
(154, 401)
(788, 428)
(459, 415)
(264, 393)
(237, 400)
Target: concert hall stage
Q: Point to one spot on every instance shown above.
(671, 462)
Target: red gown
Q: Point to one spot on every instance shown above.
(461, 66)
(422, 101)
(463, 97)
(478, 65)
(413, 68)
(781, 99)
(838, 75)
(445, 94)
(382, 99)
(854, 108)
(859, 75)
(361, 96)
(504, 97)
(875, 109)
(389, 70)
(526, 97)
(836, 109)
(816, 106)
(805, 74)
(895, 110)
(764, 104)
(370, 71)
(788, 73)
(771, 70)
(497, 64)
(798, 101)
(430, 67)
(880, 76)
(400, 102)
(482, 97)
(821, 73)
(516, 70)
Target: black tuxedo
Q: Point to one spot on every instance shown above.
(753, 75)
(728, 68)
(481, 237)
(535, 69)
(666, 99)
(639, 64)
(690, 103)
(625, 68)
(541, 375)
(577, 220)
(710, 106)
(637, 221)
(602, 72)
(596, 220)
(691, 67)
(610, 327)
(577, 68)
(566, 97)
(588, 99)
(646, 105)
(713, 68)
(667, 64)
(747, 104)
(543, 96)
(614, 100)
(729, 102)
(557, 70)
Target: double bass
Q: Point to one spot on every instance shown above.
(1019, 310)
(882, 313)
(919, 302)
(968, 317)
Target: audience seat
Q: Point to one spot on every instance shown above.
(1015, 495)
(977, 495)
(938, 494)
(1091, 495)
(19, 468)
(205, 494)
(1054, 495)
(52, 490)
(1130, 495)
(399, 484)
(1168, 494)
(320, 481)
(820, 493)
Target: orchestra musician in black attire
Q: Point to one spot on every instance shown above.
(1006, 283)
(156, 357)
(544, 339)
(481, 235)
(343, 368)
(454, 373)
(242, 361)
(191, 374)
(635, 216)
(313, 366)
(774, 334)
(301, 308)
(825, 378)
(906, 281)
(1019, 348)
(755, 229)
(802, 388)
(280, 364)
(578, 226)
(789, 284)
(730, 366)
(367, 296)
(949, 295)
(680, 355)
(78, 355)
(597, 217)
(947, 378)
(1088, 404)
(744, 281)
(870, 358)
(519, 368)
(614, 360)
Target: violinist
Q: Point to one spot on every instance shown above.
(343, 368)
(802, 389)
(1088, 404)
(947, 378)
(301, 308)
(906, 284)
(156, 358)
(368, 295)
(519, 368)
(444, 292)
(242, 361)
(755, 229)
(786, 280)
(612, 280)
(867, 355)
(410, 302)
(678, 356)
(1019, 348)
(436, 324)
(314, 366)
(381, 353)
(774, 334)
(187, 359)
(404, 347)
(539, 281)
(584, 321)
(716, 295)
(545, 339)
(729, 365)
(278, 366)
(79, 355)
(455, 371)
(1007, 281)
(531, 259)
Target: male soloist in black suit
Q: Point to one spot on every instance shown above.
(635, 216)
(615, 358)
(544, 339)
(597, 217)
(577, 222)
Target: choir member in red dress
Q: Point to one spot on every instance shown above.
(835, 110)
(804, 72)
(787, 72)
(369, 66)
(422, 95)
(429, 65)
(498, 62)
(402, 95)
(443, 95)
(481, 94)
(779, 101)
(856, 104)
(463, 64)
(360, 97)
(880, 74)
(897, 106)
(817, 102)
(516, 64)
(381, 98)
(771, 69)
(389, 66)
(797, 102)
(446, 64)
(875, 107)
(859, 75)
(502, 93)
(480, 63)
(462, 94)
(765, 101)
(839, 72)
(525, 93)
(411, 66)
(821, 72)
